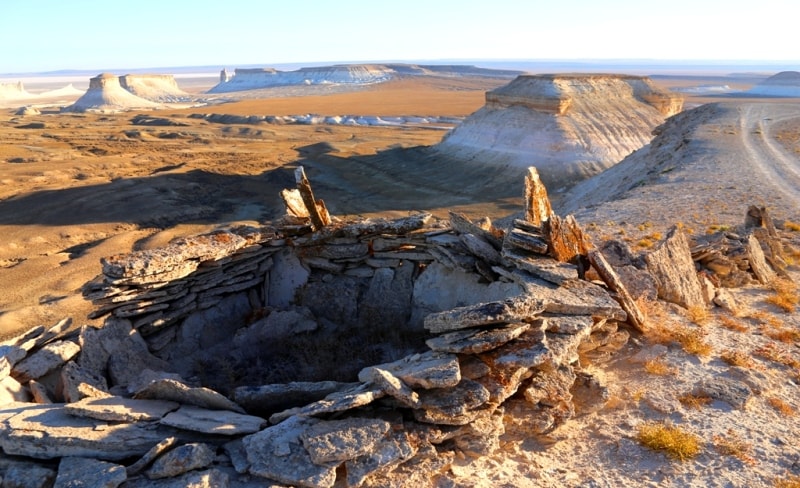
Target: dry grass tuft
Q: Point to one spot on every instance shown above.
(791, 481)
(737, 358)
(693, 341)
(777, 354)
(694, 402)
(781, 406)
(731, 323)
(791, 226)
(676, 442)
(786, 295)
(732, 445)
(658, 367)
(699, 315)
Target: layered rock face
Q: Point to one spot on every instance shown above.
(13, 91)
(783, 84)
(569, 126)
(156, 88)
(107, 94)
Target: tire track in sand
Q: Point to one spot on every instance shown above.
(781, 170)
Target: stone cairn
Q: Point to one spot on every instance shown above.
(121, 405)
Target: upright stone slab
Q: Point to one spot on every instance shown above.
(672, 266)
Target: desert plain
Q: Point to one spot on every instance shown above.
(76, 187)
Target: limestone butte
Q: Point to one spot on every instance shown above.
(570, 126)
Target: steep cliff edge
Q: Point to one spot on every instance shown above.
(571, 126)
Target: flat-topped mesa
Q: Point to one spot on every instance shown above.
(254, 78)
(106, 94)
(154, 87)
(556, 93)
(570, 126)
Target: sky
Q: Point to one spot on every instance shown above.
(49, 35)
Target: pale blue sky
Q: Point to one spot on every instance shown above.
(44, 35)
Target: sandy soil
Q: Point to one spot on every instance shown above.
(87, 186)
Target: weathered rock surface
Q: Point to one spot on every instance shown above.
(181, 460)
(74, 472)
(48, 432)
(341, 440)
(118, 409)
(672, 266)
(207, 421)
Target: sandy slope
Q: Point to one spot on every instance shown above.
(706, 166)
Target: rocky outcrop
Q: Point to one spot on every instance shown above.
(106, 94)
(13, 91)
(570, 126)
(458, 324)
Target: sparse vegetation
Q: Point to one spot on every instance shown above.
(737, 358)
(786, 295)
(791, 481)
(791, 226)
(694, 402)
(732, 323)
(658, 367)
(676, 442)
(781, 406)
(693, 341)
(777, 354)
(699, 314)
(731, 444)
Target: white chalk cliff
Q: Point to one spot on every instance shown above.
(349, 74)
(570, 126)
(156, 88)
(783, 84)
(13, 91)
(105, 94)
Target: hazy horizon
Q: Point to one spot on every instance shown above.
(52, 35)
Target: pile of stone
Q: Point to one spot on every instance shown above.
(734, 259)
(124, 405)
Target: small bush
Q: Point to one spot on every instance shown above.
(676, 442)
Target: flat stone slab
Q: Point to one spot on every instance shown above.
(472, 341)
(545, 268)
(173, 390)
(467, 395)
(46, 359)
(339, 401)
(388, 453)
(77, 471)
(510, 310)
(119, 409)
(426, 370)
(568, 324)
(195, 455)
(276, 453)
(578, 297)
(48, 431)
(394, 387)
(207, 421)
(341, 440)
